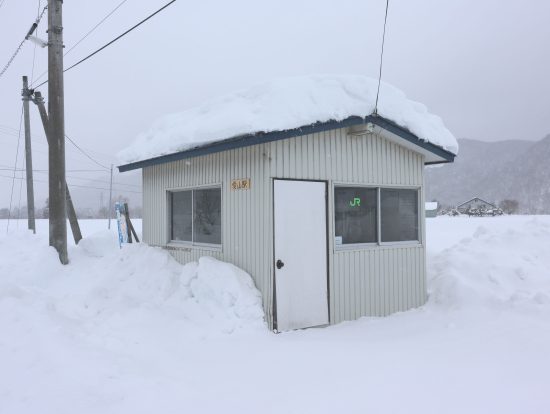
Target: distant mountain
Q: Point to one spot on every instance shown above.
(495, 171)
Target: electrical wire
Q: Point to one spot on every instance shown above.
(34, 50)
(20, 191)
(105, 189)
(112, 41)
(86, 154)
(30, 32)
(95, 27)
(120, 190)
(92, 180)
(3, 168)
(14, 170)
(86, 35)
(381, 57)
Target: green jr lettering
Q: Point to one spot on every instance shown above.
(356, 202)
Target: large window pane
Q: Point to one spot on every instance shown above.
(182, 220)
(355, 215)
(399, 214)
(207, 216)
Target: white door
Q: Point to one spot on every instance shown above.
(300, 221)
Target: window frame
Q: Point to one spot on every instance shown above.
(379, 242)
(353, 246)
(192, 244)
(418, 241)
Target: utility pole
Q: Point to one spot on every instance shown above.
(110, 208)
(28, 156)
(77, 235)
(56, 126)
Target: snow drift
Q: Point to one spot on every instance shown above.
(286, 104)
(132, 331)
(496, 267)
(104, 286)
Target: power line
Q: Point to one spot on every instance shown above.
(113, 41)
(97, 180)
(34, 50)
(14, 169)
(381, 56)
(105, 189)
(85, 153)
(30, 32)
(79, 148)
(20, 191)
(95, 27)
(5, 168)
(86, 35)
(8, 127)
(43, 144)
(120, 190)
(93, 180)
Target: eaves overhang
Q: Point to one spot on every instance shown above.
(440, 155)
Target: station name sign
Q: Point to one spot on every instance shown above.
(240, 184)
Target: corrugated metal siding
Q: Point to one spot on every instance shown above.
(373, 281)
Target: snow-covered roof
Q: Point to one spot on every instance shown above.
(285, 104)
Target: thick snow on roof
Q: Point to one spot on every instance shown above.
(284, 104)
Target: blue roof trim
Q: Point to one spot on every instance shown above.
(264, 137)
(409, 136)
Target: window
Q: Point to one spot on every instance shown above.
(399, 218)
(355, 215)
(196, 216)
(182, 217)
(207, 215)
(357, 219)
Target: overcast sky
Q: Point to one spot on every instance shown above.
(482, 65)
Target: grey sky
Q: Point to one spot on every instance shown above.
(481, 65)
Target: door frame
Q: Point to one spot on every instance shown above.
(327, 249)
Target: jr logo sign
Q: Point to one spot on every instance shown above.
(356, 202)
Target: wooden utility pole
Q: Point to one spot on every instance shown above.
(28, 156)
(77, 235)
(56, 127)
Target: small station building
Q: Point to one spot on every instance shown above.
(302, 185)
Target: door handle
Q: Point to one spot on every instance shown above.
(279, 264)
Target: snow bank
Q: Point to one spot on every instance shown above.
(116, 290)
(225, 288)
(132, 331)
(286, 104)
(497, 266)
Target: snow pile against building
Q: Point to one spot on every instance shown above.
(285, 104)
(127, 292)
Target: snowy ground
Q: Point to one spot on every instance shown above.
(131, 332)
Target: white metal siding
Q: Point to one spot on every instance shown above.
(374, 281)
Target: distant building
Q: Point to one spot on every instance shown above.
(477, 207)
(431, 208)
